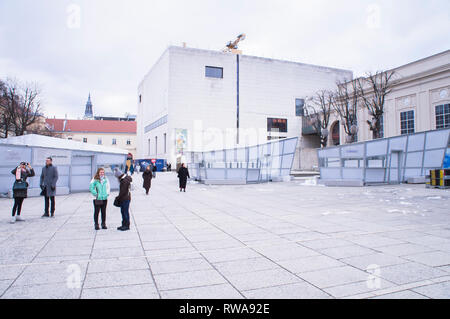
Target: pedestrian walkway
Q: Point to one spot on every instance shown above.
(277, 240)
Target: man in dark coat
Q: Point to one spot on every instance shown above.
(183, 175)
(124, 198)
(147, 175)
(49, 177)
(22, 172)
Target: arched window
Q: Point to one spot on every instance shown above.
(335, 137)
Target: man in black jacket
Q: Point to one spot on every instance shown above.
(124, 198)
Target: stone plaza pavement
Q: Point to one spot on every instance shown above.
(277, 240)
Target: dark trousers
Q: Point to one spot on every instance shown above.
(98, 209)
(18, 201)
(124, 210)
(50, 199)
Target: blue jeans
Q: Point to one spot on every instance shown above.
(124, 210)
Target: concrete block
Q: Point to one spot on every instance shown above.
(341, 183)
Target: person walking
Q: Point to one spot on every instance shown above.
(20, 189)
(100, 188)
(154, 169)
(147, 175)
(124, 198)
(183, 175)
(49, 177)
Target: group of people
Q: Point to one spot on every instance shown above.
(49, 177)
(99, 187)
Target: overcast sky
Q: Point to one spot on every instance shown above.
(73, 47)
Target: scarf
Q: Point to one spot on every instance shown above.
(18, 173)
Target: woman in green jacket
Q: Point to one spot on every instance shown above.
(100, 188)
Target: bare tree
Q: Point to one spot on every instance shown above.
(345, 103)
(20, 107)
(317, 114)
(372, 91)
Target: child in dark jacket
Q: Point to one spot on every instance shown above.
(20, 188)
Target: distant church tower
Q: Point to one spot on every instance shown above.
(88, 112)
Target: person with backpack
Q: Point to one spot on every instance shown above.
(124, 198)
(20, 189)
(100, 188)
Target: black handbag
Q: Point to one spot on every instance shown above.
(117, 202)
(20, 185)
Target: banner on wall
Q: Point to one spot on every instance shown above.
(180, 140)
(60, 157)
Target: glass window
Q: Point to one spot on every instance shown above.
(84, 139)
(128, 142)
(277, 125)
(99, 141)
(114, 141)
(442, 116)
(299, 107)
(213, 72)
(381, 126)
(407, 122)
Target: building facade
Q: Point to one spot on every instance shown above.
(419, 101)
(199, 100)
(116, 134)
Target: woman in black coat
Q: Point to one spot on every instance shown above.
(183, 175)
(147, 175)
(22, 172)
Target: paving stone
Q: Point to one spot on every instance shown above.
(378, 259)
(113, 264)
(403, 249)
(117, 278)
(146, 291)
(262, 279)
(347, 251)
(188, 279)
(369, 285)
(435, 258)
(46, 291)
(409, 273)
(405, 294)
(310, 263)
(178, 266)
(302, 290)
(245, 266)
(436, 291)
(334, 276)
(230, 254)
(220, 291)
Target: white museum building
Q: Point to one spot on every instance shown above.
(201, 100)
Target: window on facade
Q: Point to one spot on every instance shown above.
(299, 107)
(128, 142)
(165, 143)
(381, 126)
(277, 125)
(442, 116)
(140, 98)
(156, 144)
(407, 122)
(99, 141)
(114, 141)
(213, 72)
(269, 138)
(84, 139)
(149, 144)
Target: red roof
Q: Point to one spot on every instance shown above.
(93, 126)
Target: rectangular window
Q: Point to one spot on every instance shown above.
(149, 147)
(84, 139)
(165, 143)
(140, 98)
(114, 141)
(299, 107)
(213, 72)
(442, 116)
(407, 122)
(381, 126)
(99, 141)
(128, 142)
(156, 145)
(277, 125)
